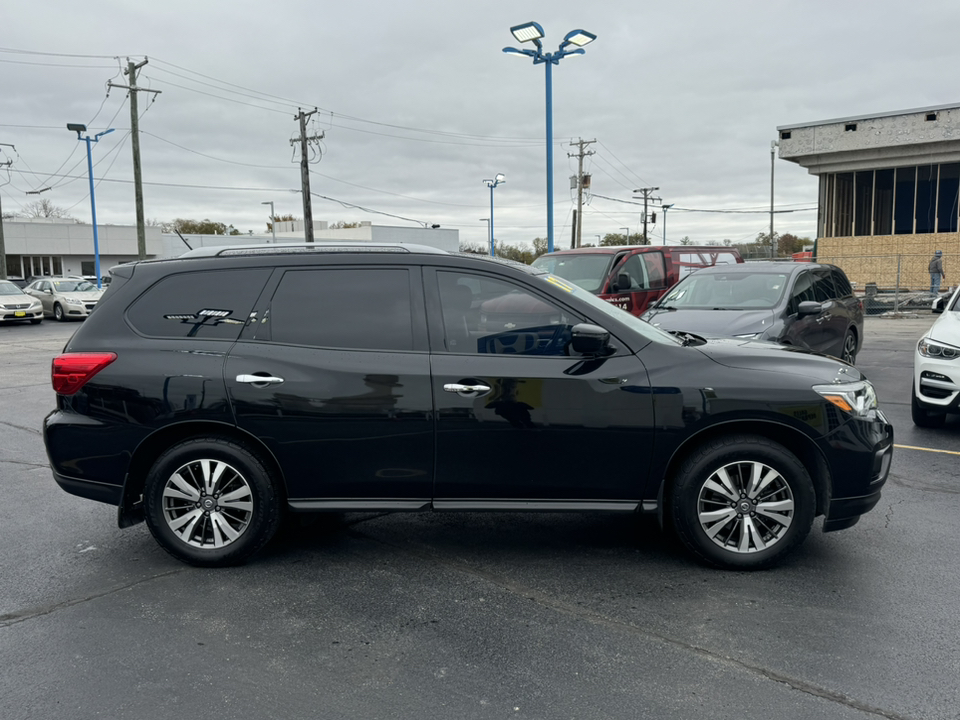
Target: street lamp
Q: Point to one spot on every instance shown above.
(665, 208)
(273, 219)
(532, 32)
(492, 184)
(626, 235)
(93, 201)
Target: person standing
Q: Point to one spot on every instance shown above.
(936, 272)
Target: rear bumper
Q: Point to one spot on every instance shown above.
(101, 492)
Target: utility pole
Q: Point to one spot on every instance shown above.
(3, 249)
(581, 144)
(646, 199)
(131, 72)
(305, 170)
(773, 243)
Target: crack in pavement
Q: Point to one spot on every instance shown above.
(35, 431)
(557, 605)
(18, 617)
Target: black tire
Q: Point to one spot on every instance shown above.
(921, 416)
(848, 353)
(731, 529)
(186, 507)
(58, 313)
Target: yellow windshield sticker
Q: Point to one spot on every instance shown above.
(560, 283)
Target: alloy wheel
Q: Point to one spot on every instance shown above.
(207, 503)
(745, 507)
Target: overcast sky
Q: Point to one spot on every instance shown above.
(419, 105)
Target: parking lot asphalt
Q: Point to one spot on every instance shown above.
(477, 616)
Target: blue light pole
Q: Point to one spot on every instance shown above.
(532, 32)
(492, 184)
(93, 201)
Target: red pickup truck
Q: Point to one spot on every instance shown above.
(633, 276)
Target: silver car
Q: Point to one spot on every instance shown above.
(65, 298)
(17, 306)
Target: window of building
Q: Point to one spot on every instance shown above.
(863, 201)
(883, 202)
(926, 207)
(947, 197)
(843, 197)
(905, 190)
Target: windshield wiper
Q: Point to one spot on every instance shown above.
(687, 338)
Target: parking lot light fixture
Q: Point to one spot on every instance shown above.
(532, 32)
(492, 184)
(79, 128)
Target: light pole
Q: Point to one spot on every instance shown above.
(626, 235)
(665, 208)
(273, 219)
(93, 201)
(532, 32)
(492, 184)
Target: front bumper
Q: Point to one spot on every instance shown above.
(860, 454)
(19, 314)
(937, 383)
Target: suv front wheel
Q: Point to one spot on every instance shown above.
(211, 502)
(742, 502)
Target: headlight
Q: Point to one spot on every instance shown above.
(929, 348)
(72, 301)
(857, 398)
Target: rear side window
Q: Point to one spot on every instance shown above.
(356, 309)
(843, 285)
(208, 304)
(823, 286)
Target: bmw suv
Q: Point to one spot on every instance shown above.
(211, 394)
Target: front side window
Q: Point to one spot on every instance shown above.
(636, 271)
(350, 308)
(484, 315)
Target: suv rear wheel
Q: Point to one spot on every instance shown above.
(742, 502)
(211, 502)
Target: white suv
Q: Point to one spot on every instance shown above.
(936, 366)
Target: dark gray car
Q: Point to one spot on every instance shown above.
(807, 305)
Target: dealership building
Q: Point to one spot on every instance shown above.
(889, 185)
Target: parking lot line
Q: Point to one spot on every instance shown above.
(914, 447)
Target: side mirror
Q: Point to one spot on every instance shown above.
(588, 339)
(939, 305)
(622, 283)
(809, 307)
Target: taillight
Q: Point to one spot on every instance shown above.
(72, 371)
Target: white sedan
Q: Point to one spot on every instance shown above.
(936, 366)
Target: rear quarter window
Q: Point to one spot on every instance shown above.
(207, 304)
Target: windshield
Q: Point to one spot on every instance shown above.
(726, 291)
(65, 286)
(8, 288)
(587, 270)
(610, 310)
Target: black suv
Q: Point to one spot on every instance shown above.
(212, 393)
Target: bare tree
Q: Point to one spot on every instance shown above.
(43, 208)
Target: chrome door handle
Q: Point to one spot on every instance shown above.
(259, 379)
(466, 390)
